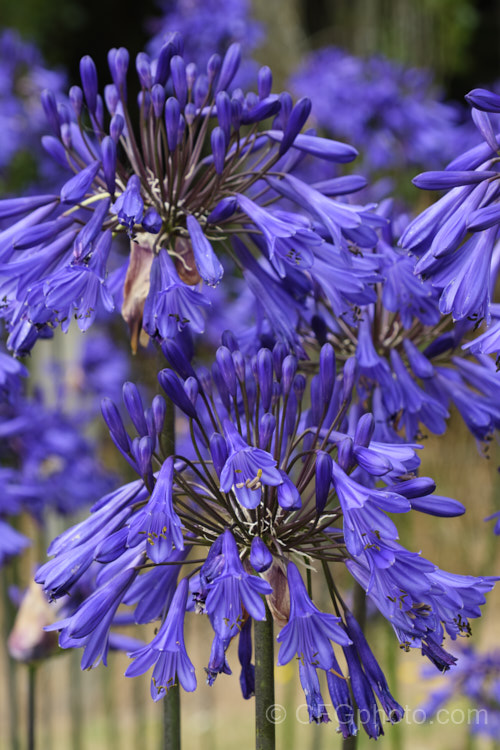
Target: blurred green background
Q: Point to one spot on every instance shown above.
(458, 39)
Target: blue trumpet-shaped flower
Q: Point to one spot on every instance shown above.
(167, 651)
(310, 685)
(231, 590)
(158, 519)
(247, 469)
(309, 632)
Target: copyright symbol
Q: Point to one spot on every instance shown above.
(276, 714)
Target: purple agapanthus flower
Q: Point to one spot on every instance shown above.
(399, 118)
(171, 304)
(247, 469)
(159, 520)
(309, 632)
(122, 182)
(326, 476)
(167, 651)
(231, 590)
(208, 28)
(310, 684)
(90, 625)
(456, 238)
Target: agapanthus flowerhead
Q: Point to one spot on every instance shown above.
(206, 164)
(400, 118)
(277, 474)
(309, 632)
(398, 343)
(456, 238)
(207, 27)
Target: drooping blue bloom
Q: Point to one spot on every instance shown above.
(372, 669)
(89, 626)
(217, 664)
(159, 520)
(167, 651)
(463, 272)
(79, 288)
(342, 702)
(171, 305)
(310, 685)
(363, 694)
(247, 675)
(153, 591)
(231, 590)
(416, 597)
(309, 632)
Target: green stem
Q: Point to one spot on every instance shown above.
(31, 706)
(172, 719)
(359, 612)
(265, 727)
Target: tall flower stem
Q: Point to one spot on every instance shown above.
(172, 719)
(359, 612)
(265, 727)
(31, 707)
(172, 700)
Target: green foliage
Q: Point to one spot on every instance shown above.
(21, 171)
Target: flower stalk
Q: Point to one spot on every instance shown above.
(32, 669)
(172, 719)
(265, 726)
